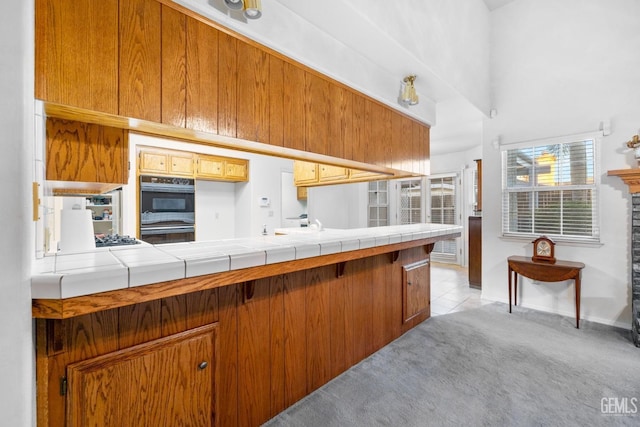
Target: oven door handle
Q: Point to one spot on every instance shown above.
(147, 231)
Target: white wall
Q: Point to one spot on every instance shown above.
(339, 206)
(560, 68)
(17, 247)
(215, 210)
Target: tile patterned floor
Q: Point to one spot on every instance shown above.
(450, 290)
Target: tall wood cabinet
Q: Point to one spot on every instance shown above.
(475, 251)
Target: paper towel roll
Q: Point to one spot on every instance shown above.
(76, 230)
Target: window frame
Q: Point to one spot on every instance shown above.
(594, 238)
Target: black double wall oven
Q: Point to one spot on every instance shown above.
(167, 209)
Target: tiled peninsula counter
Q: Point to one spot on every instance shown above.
(224, 332)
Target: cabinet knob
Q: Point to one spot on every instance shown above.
(203, 365)
(409, 283)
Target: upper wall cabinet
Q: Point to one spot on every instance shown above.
(76, 53)
(157, 61)
(140, 59)
(81, 152)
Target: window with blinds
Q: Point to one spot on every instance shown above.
(551, 188)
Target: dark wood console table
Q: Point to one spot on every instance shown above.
(545, 272)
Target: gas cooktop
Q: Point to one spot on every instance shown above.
(115, 240)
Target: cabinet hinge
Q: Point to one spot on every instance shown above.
(63, 386)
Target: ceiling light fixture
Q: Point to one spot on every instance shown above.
(252, 9)
(408, 95)
(234, 4)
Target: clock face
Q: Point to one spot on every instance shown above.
(544, 249)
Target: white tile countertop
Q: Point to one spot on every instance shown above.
(104, 269)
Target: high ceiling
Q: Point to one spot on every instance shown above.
(458, 124)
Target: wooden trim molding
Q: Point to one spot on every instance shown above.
(631, 177)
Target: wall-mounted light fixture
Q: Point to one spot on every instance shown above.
(234, 4)
(408, 95)
(252, 8)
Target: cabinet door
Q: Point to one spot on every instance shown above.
(153, 162)
(76, 53)
(140, 59)
(210, 167)
(168, 381)
(181, 164)
(236, 170)
(305, 172)
(333, 173)
(84, 152)
(416, 290)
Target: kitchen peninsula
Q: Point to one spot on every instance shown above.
(252, 325)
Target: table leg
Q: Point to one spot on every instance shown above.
(577, 281)
(510, 273)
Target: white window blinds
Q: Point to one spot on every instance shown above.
(550, 187)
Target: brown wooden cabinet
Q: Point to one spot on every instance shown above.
(475, 251)
(82, 152)
(305, 172)
(332, 173)
(211, 167)
(202, 77)
(166, 162)
(76, 53)
(236, 169)
(153, 60)
(416, 290)
(168, 381)
(140, 66)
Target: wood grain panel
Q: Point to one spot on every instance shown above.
(294, 107)
(397, 150)
(76, 53)
(202, 77)
(227, 85)
(84, 152)
(276, 101)
(113, 155)
(276, 322)
(227, 382)
(316, 113)
(406, 146)
(384, 136)
(416, 153)
(359, 143)
(318, 304)
(362, 308)
(338, 323)
(379, 301)
(425, 137)
(254, 376)
(295, 351)
(92, 335)
(139, 323)
(174, 67)
(340, 110)
(377, 142)
(140, 59)
(202, 308)
(123, 387)
(253, 93)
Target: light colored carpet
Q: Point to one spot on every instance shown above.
(485, 367)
